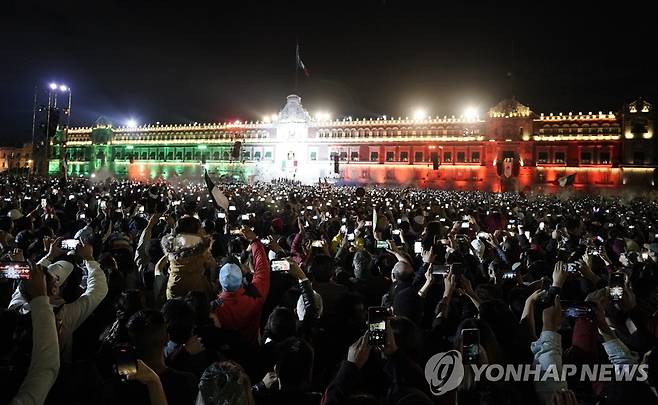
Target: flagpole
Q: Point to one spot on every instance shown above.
(296, 64)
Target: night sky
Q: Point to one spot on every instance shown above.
(190, 61)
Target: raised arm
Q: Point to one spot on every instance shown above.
(44, 363)
(80, 309)
(547, 351)
(261, 279)
(142, 258)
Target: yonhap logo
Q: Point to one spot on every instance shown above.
(444, 372)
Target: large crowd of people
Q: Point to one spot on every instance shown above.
(119, 292)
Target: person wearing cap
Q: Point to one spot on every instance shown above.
(69, 315)
(239, 309)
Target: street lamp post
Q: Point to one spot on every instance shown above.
(42, 149)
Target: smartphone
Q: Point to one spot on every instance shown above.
(439, 269)
(527, 234)
(471, 345)
(118, 204)
(573, 267)
(465, 225)
(542, 225)
(418, 247)
(280, 265)
(265, 241)
(344, 220)
(350, 237)
(368, 223)
(221, 215)
(509, 275)
(617, 281)
(236, 232)
(457, 269)
(125, 361)
(309, 207)
(376, 326)
(577, 309)
(231, 207)
(317, 243)
(244, 217)
(14, 271)
(174, 203)
(44, 202)
(395, 231)
(83, 216)
(104, 205)
(382, 244)
(69, 244)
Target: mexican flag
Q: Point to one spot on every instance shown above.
(216, 194)
(300, 64)
(566, 180)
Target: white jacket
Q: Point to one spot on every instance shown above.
(70, 316)
(44, 364)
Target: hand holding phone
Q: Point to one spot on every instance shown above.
(280, 265)
(617, 282)
(471, 345)
(14, 271)
(125, 361)
(69, 244)
(376, 326)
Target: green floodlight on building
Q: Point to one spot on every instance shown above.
(129, 146)
(202, 147)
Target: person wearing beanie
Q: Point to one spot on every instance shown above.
(240, 309)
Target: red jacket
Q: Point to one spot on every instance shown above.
(241, 312)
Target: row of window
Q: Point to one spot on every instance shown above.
(14, 155)
(604, 130)
(542, 157)
(403, 156)
(396, 132)
(195, 135)
(587, 157)
(179, 155)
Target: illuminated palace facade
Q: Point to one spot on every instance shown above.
(513, 148)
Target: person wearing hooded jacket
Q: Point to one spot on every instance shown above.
(188, 254)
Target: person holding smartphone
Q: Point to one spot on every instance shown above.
(237, 310)
(70, 315)
(45, 359)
